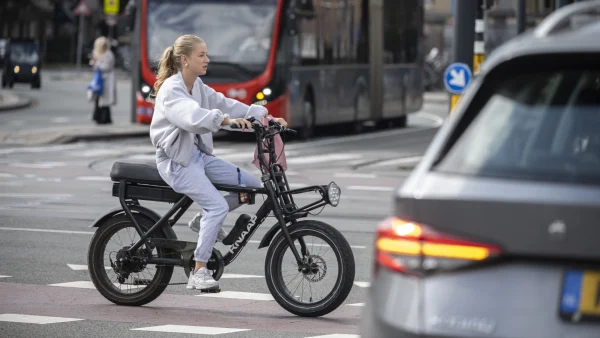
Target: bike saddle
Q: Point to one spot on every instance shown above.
(136, 173)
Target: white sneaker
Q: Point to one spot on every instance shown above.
(202, 280)
(194, 224)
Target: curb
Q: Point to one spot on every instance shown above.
(41, 138)
(22, 102)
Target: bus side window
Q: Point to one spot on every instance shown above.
(361, 32)
(402, 20)
(307, 40)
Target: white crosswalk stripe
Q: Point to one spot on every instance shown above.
(203, 330)
(90, 285)
(362, 284)
(238, 295)
(30, 319)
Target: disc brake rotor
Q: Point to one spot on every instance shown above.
(316, 269)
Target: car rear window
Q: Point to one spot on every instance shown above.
(534, 126)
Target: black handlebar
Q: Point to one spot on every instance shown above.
(256, 125)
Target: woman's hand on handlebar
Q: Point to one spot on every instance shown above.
(241, 123)
(280, 121)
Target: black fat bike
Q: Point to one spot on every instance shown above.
(309, 266)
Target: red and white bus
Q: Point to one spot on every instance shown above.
(313, 62)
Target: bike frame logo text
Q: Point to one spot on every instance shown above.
(243, 235)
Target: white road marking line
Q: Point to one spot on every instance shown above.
(436, 119)
(11, 184)
(90, 285)
(141, 157)
(38, 165)
(204, 330)
(16, 123)
(362, 284)
(312, 159)
(345, 139)
(352, 246)
(357, 304)
(315, 197)
(91, 233)
(337, 335)
(93, 178)
(47, 149)
(96, 152)
(30, 319)
(79, 267)
(235, 275)
(244, 156)
(239, 295)
(84, 267)
(222, 151)
(34, 202)
(354, 175)
(7, 175)
(48, 179)
(60, 119)
(3, 276)
(33, 195)
(398, 161)
(367, 188)
(49, 230)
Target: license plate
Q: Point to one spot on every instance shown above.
(580, 298)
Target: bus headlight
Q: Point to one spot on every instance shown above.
(263, 94)
(333, 194)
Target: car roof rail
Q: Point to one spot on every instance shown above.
(565, 17)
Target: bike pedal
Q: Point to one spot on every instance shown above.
(210, 290)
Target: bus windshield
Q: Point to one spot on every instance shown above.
(236, 32)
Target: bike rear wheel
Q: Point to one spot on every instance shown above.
(301, 295)
(107, 276)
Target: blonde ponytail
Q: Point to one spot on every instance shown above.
(170, 62)
(166, 68)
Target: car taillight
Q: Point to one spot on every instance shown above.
(410, 247)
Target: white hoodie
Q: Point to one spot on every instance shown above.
(179, 117)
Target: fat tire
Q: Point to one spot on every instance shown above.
(345, 259)
(96, 264)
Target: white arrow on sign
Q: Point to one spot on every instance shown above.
(458, 78)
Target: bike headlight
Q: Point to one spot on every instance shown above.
(333, 194)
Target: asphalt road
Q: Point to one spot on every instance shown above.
(50, 196)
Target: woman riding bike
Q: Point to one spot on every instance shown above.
(186, 114)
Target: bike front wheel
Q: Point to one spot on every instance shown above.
(324, 279)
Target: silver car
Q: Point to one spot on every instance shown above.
(496, 233)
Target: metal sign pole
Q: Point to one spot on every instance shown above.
(80, 40)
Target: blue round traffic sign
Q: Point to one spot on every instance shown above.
(456, 77)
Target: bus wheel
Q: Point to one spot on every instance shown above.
(400, 122)
(308, 118)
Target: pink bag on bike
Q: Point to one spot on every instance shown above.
(279, 152)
